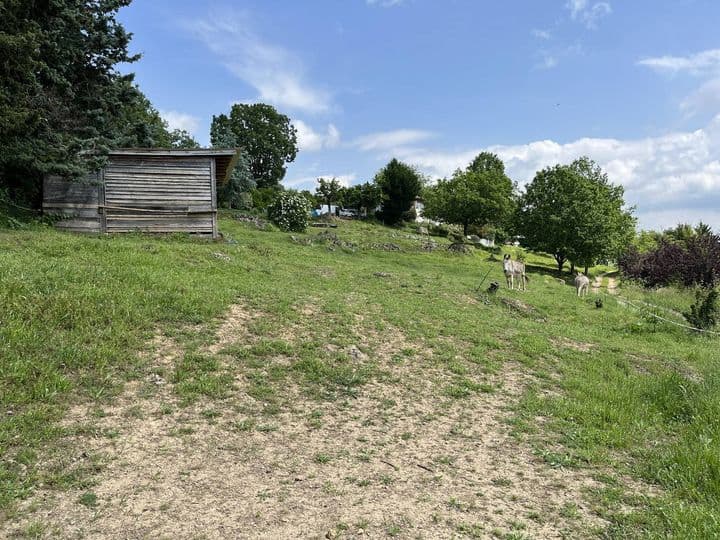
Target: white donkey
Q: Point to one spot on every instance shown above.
(582, 283)
(512, 270)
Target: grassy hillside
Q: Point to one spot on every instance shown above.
(606, 392)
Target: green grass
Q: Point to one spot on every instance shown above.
(77, 312)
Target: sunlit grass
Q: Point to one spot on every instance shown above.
(619, 394)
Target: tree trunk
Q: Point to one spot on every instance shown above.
(586, 269)
(560, 262)
(465, 227)
(572, 267)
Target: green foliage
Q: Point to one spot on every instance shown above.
(262, 198)
(179, 138)
(237, 192)
(574, 213)
(480, 195)
(646, 241)
(289, 211)
(63, 102)
(363, 197)
(78, 312)
(267, 136)
(328, 191)
(400, 185)
(705, 312)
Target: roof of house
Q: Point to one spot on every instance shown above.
(225, 158)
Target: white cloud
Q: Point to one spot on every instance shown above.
(541, 34)
(311, 141)
(696, 64)
(310, 182)
(384, 3)
(675, 174)
(277, 74)
(388, 140)
(548, 61)
(588, 13)
(705, 99)
(179, 120)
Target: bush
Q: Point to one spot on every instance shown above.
(438, 230)
(289, 211)
(704, 313)
(262, 198)
(695, 262)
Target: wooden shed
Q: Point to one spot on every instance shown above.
(149, 190)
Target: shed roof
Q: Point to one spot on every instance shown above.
(225, 158)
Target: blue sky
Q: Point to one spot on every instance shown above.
(634, 84)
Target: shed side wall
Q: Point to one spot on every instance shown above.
(159, 194)
(77, 201)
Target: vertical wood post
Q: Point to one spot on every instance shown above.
(213, 187)
(101, 200)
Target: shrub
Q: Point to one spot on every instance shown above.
(693, 262)
(704, 313)
(289, 211)
(262, 198)
(438, 230)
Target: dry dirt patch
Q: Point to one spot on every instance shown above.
(400, 459)
(567, 343)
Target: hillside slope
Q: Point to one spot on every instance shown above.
(336, 387)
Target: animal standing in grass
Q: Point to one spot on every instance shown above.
(582, 284)
(512, 270)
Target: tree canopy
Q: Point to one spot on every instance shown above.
(481, 194)
(63, 103)
(328, 191)
(400, 185)
(267, 136)
(367, 197)
(236, 193)
(574, 213)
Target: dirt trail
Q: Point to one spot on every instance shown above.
(612, 284)
(398, 460)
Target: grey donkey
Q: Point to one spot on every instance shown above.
(512, 270)
(582, 284)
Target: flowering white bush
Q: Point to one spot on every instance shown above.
(289, 211)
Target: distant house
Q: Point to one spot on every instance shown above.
(323, 210)
(419, 206)
(148, 190)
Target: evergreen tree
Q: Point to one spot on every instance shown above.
(63, 103)
(400, 185)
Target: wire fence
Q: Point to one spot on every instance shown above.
(625, 302)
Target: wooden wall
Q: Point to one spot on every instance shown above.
(138, 193)
(160, 194)
(78, 201)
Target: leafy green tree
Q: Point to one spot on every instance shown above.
(574, 213)
(179, 138)
(400, 185)
(480, 195)
(237, 192)
(646, 241)
(603, 229)
(63, 103)
(486, 162)
(267, 136)
(328, 191)
(363, 197)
